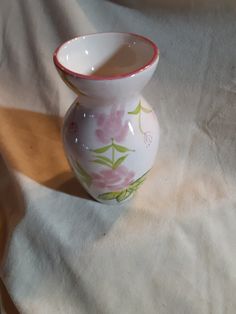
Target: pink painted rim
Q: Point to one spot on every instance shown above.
(113, 77)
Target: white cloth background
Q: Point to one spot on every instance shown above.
(173, 248)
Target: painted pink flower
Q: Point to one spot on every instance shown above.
(73, 128)
(110, 126)
(113, 179)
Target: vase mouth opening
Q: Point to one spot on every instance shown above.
(106, 56)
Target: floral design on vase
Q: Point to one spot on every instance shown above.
(113, 161)
(146, 134)
(111, 130)
(124, 193)
(119, 182)
(73, 127)
(113, 177)
(111, 126)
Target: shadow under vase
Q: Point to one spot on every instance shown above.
(67, 183)
(32, 144)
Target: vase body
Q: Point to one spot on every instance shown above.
(111, 148)
(110, 133)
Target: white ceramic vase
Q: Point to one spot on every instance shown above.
(110, 135)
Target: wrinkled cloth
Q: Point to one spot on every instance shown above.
(172, 248)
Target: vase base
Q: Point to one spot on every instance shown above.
(113, 202)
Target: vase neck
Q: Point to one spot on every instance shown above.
(94, 102)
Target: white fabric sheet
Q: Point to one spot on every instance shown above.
(172, 249)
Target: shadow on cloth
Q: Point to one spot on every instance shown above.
(175, 5)
(11, 213)
(32, 144)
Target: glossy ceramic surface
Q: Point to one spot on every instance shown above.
(110, 135)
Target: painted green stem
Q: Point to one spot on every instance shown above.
(113, 153)
(140, 124)
(138, 111)
(110, 162)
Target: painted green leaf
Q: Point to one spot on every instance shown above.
(135, 185)
(101, 149)
(123, 195)
(80, 169)
(122, 149)
(86, 181)
(84, 176)
(108, 196)
(104, 158)
(102, 162)
(147, 110)
(136, 110)
(119, 161)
